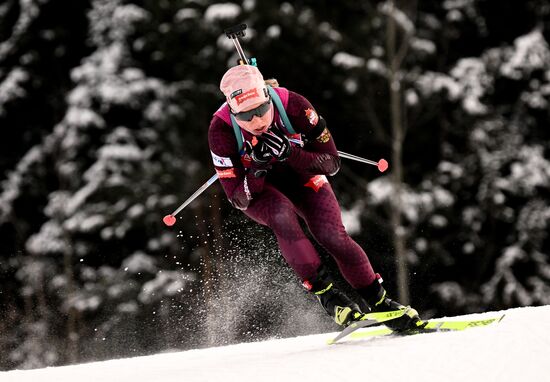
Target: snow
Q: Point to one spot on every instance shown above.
(347, 61)
(84, 303)
(516, 349)
(129, 14)
(456, 4)
(529, 170)
(186, 14)
(249, 5)
(411, 97)
(225, 11)
(531, 53)
(400, 18)
(287, 9)
(469, 81)
(83, 117)
(167, 283)
(29, 11)
(423, 45)
(48, 241)
(120, 152)
(376, 66)
(274, 31)
(352, 218)
(414, 204)
(330, 32)
(432, 82)
(472, 75)
(454, 16)
(351, 85)
(12, 87)
(533, 171)
(139, 262)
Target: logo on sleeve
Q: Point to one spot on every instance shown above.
(324, 137)
(317, 182)
(221, 161)
(312, 116)
(227, 173)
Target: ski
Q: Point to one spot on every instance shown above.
(432, 326)
(367, 320)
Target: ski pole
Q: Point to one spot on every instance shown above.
(233, 34)
(382, 164)
(170, 219)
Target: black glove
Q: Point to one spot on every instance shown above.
(261, 156)
(277, 143)
(258, 151)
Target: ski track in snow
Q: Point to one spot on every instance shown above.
(516, 349)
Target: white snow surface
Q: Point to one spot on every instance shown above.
(516, 349)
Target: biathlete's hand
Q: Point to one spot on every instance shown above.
(277, 143)
(261, 156)
(258, 151)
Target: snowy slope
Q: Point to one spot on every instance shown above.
(517, 349)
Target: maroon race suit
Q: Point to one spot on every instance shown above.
(292, 189)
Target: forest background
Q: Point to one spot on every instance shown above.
(104, 110)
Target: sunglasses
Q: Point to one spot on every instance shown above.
(257, 111)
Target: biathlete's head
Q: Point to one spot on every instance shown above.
(248, 99)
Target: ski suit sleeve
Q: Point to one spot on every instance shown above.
(319, 155)
(239, 186)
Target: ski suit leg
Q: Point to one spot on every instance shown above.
(275, 210)
(322, 214)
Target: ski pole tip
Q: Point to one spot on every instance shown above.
(169, 220)
(382, 165)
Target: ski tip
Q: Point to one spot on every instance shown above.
(330, 341)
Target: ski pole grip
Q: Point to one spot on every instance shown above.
(235, 31)
(233, 34)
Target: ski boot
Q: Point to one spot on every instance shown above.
(376, 298)
(339, 306)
